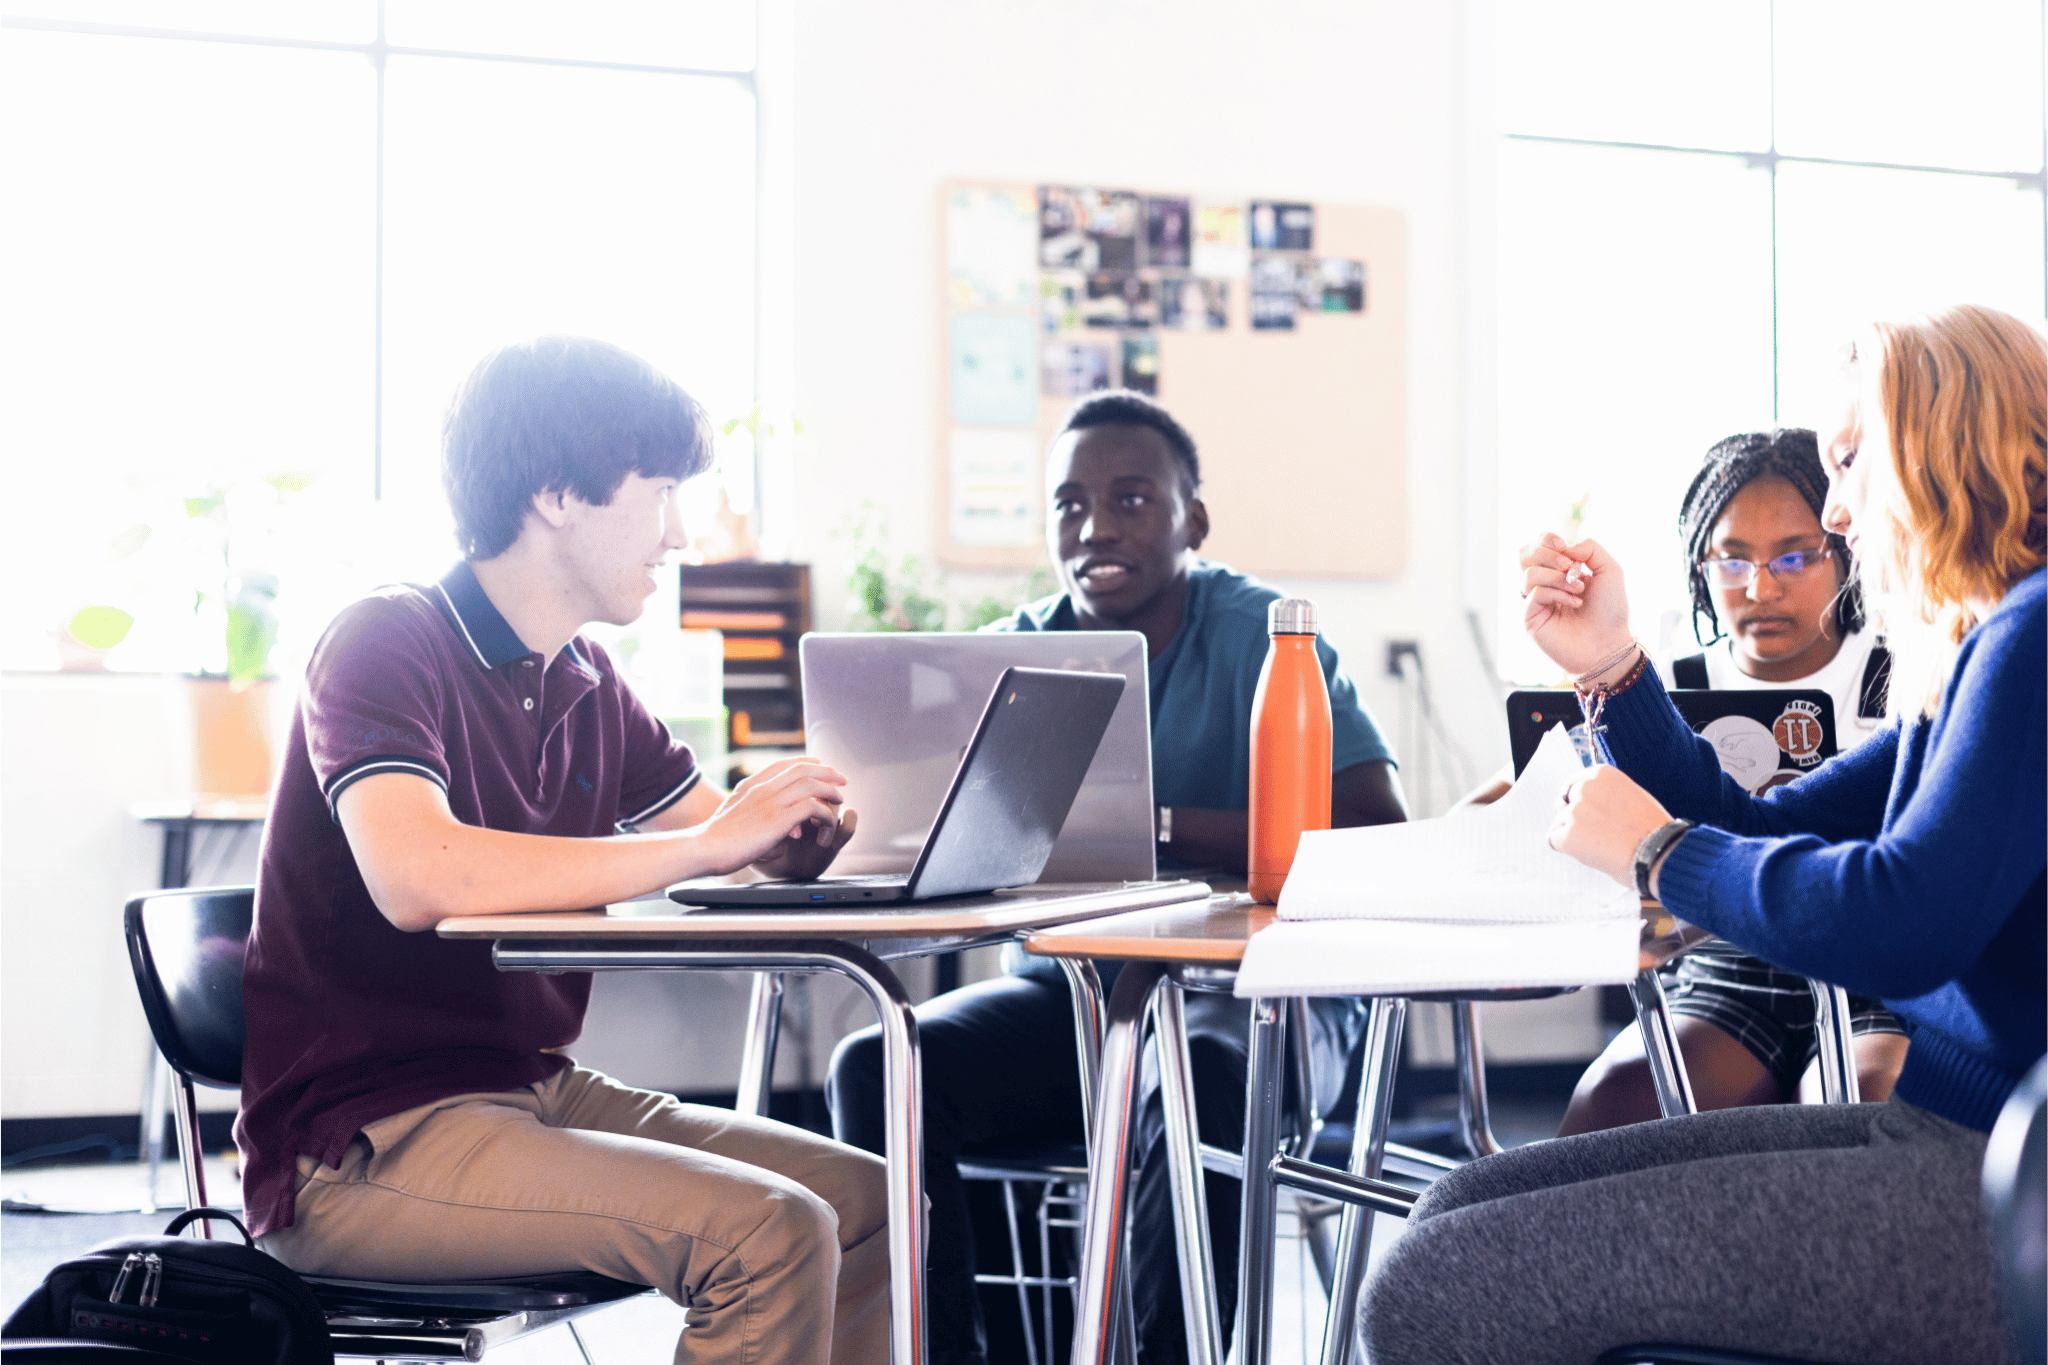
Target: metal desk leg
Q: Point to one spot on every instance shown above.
(1368, 1151)
(902, 1075)
(1473, 1122)
(1184, 1162)
(1085, 985)
(757, 1055)
(1838, 1080)
(1254, 1332)
(1097, 1311)
(1660, 1046)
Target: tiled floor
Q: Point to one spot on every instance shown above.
(639, 1332)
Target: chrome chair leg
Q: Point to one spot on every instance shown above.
(1660, 1045)
(1368, 1154)
(757, 1055)
(1838, 1080)
(1474, 1123)
(1017, 1261)
(1199, 1311)
(194, 1164)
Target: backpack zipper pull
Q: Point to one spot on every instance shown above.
(128, 1268)
(152, 1278)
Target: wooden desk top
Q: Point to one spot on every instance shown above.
(1000, 913)
(1214, 932)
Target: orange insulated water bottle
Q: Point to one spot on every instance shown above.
(1290, 746)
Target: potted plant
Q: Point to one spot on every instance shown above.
(219, 544)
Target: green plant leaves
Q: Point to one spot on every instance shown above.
(100, 627)
(250, 635)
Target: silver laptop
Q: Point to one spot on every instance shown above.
(1003, 810)
(894, 712)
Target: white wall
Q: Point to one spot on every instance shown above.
(1376, 102)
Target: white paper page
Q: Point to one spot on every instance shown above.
(1390, 957)
(1494, 863)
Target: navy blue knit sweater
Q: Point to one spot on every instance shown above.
(1913, 868)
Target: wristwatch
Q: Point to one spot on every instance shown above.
(1165, 824)
(1652, 848)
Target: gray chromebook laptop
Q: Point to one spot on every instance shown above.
(1002, 813)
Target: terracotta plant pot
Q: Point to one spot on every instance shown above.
(230, 737)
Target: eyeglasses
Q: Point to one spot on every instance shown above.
(1737, 573)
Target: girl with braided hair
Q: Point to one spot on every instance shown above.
(1764, 572)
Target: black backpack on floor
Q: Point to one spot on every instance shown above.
(205, 1301)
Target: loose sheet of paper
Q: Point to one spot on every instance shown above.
(1492, 864)
(1404, 957)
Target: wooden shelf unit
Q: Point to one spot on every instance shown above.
(763, 610)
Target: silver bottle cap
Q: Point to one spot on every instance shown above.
(1291, 616)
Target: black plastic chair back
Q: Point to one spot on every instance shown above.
(186, 948)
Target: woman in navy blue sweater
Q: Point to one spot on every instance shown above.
(1914, 869)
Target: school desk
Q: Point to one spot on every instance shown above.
(858, 944)
(1198, 945)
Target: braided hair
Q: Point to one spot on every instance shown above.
(1788, 453)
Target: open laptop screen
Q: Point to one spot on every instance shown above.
(894, 712)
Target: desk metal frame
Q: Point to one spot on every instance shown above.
(902, 1067)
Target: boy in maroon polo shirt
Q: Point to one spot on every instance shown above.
(407, 1113)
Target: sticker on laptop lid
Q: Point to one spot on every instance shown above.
(1747, 751)
(1797, 731)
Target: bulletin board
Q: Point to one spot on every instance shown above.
(1274, 330)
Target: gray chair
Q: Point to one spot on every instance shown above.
(186, 948)
(2016, 1197)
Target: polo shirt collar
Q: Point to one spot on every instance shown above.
(490, 637)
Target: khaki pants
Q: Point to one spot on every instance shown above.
(775, 1239)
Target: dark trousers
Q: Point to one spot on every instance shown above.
(999, 1068)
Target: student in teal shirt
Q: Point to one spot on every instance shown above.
(1124, 482)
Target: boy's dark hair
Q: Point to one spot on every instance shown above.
(1127, 407)
(560, 414)
(1788, 453)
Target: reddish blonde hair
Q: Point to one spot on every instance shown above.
(1964, 397)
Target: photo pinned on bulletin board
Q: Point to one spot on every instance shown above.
(993, 359)
(1118, 301)
(1060, 294)
(1141, 362)
(1275, 296)
(991, 248)
(1063, 240)
(1073, 369)
(1221, 250)
(1282, 227)
(993, 477)
(1190, 303)
(1330, 284)
(1113, 219)
(1168, 233)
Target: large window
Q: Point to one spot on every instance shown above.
(251, 243)
(1699, 204)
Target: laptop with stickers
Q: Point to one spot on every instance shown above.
(1763, 737)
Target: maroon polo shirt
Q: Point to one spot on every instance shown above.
(349, 1019)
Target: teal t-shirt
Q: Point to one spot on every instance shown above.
(1202, 690)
